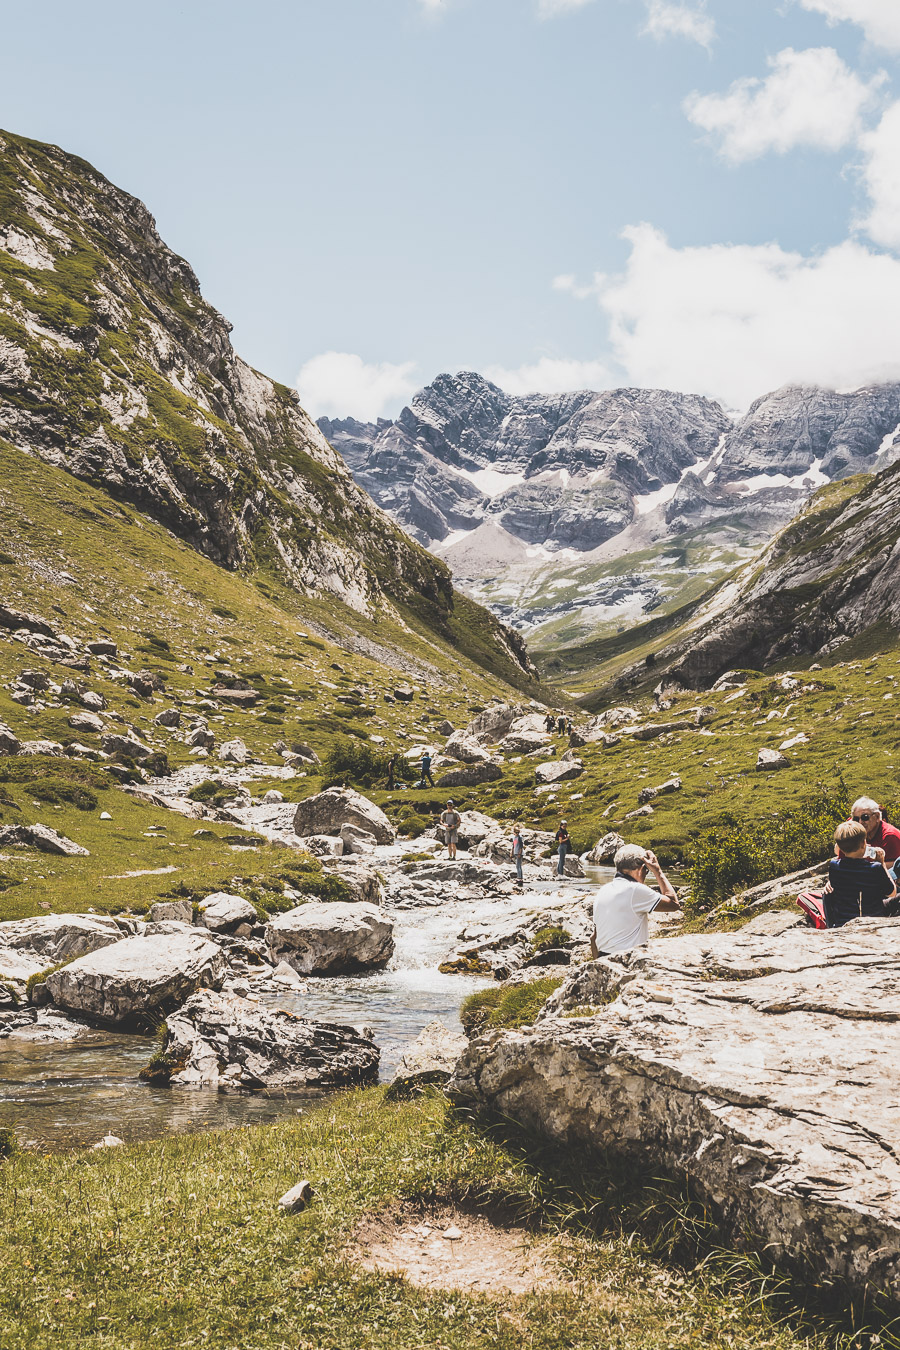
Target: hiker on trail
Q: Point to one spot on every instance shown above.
(392, 769)
(568, 726)
(623, 906)
(859, 886)
(563, 844)
(879, 834)
(518, 853)
(451, 820)
(549, 722)
(426, 769)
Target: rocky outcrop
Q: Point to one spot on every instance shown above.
(42, 838)
(223, 913)
(470, 775)
(225, 1041)
(761, 1068)
(327, 812)
(138, 980)
(28, 946)
(322, 938)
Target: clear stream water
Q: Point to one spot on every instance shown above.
(60, 1094)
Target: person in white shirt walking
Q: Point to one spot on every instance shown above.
(623, 906)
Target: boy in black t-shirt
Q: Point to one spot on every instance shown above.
(858, 885)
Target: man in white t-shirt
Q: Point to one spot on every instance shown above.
(623, 906)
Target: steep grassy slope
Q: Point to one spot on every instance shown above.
(113, 366)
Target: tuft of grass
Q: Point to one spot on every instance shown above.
(551, 936)
(505, 1007)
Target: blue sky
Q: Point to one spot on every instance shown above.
(561, 193)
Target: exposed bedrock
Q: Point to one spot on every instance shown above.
(761, 1068)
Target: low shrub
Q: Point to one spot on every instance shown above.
(353, 761)
(9, 1144)
(505, 1007)
(211, 793)
(548, 937)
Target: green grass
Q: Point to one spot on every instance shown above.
(505, 1007)
(180, 1244)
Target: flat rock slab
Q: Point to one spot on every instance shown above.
(763, 1068)
(430, 1058)
(42, 838)
(138, 977)
(331, 938)
(224, 1041)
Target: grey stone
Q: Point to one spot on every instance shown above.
(429, 1059)
(327, 811)
(169, 717)
(42, 838)
(297, 1198)
(649, 794)
(128, 746)
(470, 775)
(356, 840)
(9, 741)
(93, 701)
(605, 849)
(86, 721)
(771, 759)
(748, 1064)
(322, 938)
(41, 748)
(559, 772)
(463, 747)
(201, 738)
(227, 1041)
(181, 911)
(138, 977)
(102, 647)
(234, 752)
(223, 913)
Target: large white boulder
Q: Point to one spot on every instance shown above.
(326, 812)
(331, 938)
(464, 748)
(28, 946)
(222, 913)
(140, 977)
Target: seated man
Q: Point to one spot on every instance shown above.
(858, 886)
(623, 906)
(879, 834)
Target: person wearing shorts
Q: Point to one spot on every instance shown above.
(451, 819)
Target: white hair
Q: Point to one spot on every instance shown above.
(864, 804)
(629, 858)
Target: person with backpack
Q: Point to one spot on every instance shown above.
(563, 844)
(859, 885)
(518, 853)
(451, 821)
(426, 770)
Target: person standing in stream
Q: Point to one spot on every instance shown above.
(451, 821)
(563, 844)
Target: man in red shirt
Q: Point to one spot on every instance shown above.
(879, 834)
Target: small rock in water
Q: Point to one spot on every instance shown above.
(286, 974)
(109, 1141)
(297, 1198)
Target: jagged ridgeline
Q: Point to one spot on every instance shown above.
(114, 367)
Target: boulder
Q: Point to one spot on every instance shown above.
(356, 840)
(364, 882)
(28, 946)
(523, 742)
(86, 721)
(225, 1041)
(297, 1198)
(169, 717)
(748, 1065)
(273, 797)
(302, 753)
(129, 746)
(649, 794)
(470, 775)
(327, 811)
(93, 701)
(234, 752)
(430, 1059)
(223, 913)
(102, 647)
(323, 938)
(404, 694)
(605, 849)
(651, 730)
(324, 845)
(42, 838)
(9, 741)
(242, 698)
(177, 911)
(464, 748)
(445, 728)
(559, 771)
(41, 748)
(771, 759)
(495, 722)
(139, 978)
(201, 738)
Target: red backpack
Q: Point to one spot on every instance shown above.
(813, 905)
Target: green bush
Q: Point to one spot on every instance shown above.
(354, 761)
(545, 938)
(210, 793)
(735, 855)
(508, 1007)
(8, 1142)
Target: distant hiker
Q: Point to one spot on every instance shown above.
(426, 769)
(623, 906)
(518, 852)
(392, 769)
(879, 834)
(560, 724)
(563, 844)
(549, 722)
(568, 726)
(451, 821)
(859, 886)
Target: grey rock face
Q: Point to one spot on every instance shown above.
(86, 721)
(222, 913)
(42, 838)
(605, 849)
(430, 1059)
(327, 811)
(226, 1041)
(746, 1063)
(164, 911)
(559, 772)
(321, 938)
(138, 977)
(129, 746)
(9, 742)
(465, 748)
(470, 775)
(28, 946)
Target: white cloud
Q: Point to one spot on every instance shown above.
(668, 19)
(732, 321)
(879, 19)
(341, 384)
(552, 375)
(882, 177)
(548, 9)
(811, 98)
